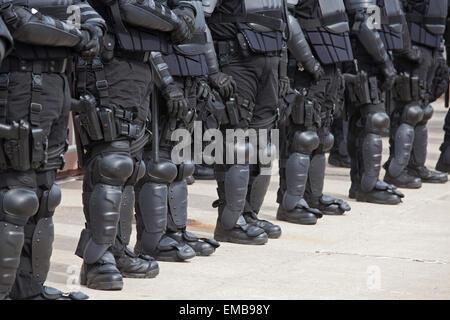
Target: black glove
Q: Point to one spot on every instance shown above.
(413, 55)
(186, 27)
(177, 105)
(314, 68)
(203, 90)
(390, 75)
(90, 46)
(223, 83)
(284, 86)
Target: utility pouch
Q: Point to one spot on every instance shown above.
(108, 124)
(17, 149)
(232, 112)
(39, 148)
(298, 109)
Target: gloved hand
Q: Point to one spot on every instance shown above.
(314, 68)
(177, 104)
(90, 45)
(203, 90)
(414, 55)
(186, 26)
(223, 83)
(390, 75)
(285, 85)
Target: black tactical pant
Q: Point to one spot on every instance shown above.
(320, 102)
(38, 231)
(114, 163)
(411, 111)
(257, 99)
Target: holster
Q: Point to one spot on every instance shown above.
(408, 88)
(359, 88)
(16, 145)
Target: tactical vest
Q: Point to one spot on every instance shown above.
(129, 38)
(262, 23)
(391, 24)
(326, 27)
(56, 9)
(189, 59)
(427, 21)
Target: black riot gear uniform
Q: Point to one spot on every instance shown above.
(417, 86)
(443, 163)
(368, 117)
(307, 137)
(161, 195)
(111, 134)
(34, 117)
(250, 40)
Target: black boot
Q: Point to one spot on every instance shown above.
(443, 163)
(132, 265)
(49, 293)
(169, 250)
(202, 246)
(329, 205)
(383, 193)
(428, 176)
(203, 172)
(404, 180)
(338, 160)
(242, 233)
(102, 275)
(273, 231)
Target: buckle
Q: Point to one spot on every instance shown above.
(101, 84)
(97, 64)
(37, 82)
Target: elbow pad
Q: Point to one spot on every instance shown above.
(161, 73)
(149, 14)
(6, 40)
(37, 29)
(297, 44)
(210, 53)
(370, 39)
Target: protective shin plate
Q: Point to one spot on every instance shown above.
(404, 139)
(42, 242)
(152, 211)
(371, 154)
(236, 183)
(419, 151)
(126, 215)
(316, 176)
(258, 191)
(11, 240)
(178, 202)
(297, 168)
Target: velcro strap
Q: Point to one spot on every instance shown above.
(270, 22)
(417, 18)
(392, 20)
(323, 21)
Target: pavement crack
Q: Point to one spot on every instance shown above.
(430, 261)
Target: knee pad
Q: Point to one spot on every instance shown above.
(138, 173)
(164, 171)
(17, 205)
(377, 123)
(185, 170)
(413, 114)
(427, 114)
(50, 200)
(115, 169)
(305, 142)
(326, 143)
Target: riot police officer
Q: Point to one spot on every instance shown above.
(249, 39)
(161, 207)
(368, 119)
(34, 117)
(308, 136)
(112, 133)
(413, 93)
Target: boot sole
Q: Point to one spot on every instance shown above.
(106, 286)
(240, 241)
(149, 275)
(306, 222)
(379, 201)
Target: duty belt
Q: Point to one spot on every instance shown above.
(132, 55)
(323, 21)
(417, 18)
(273, 23)
(12, 64)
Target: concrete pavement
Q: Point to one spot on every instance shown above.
(374, 252)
